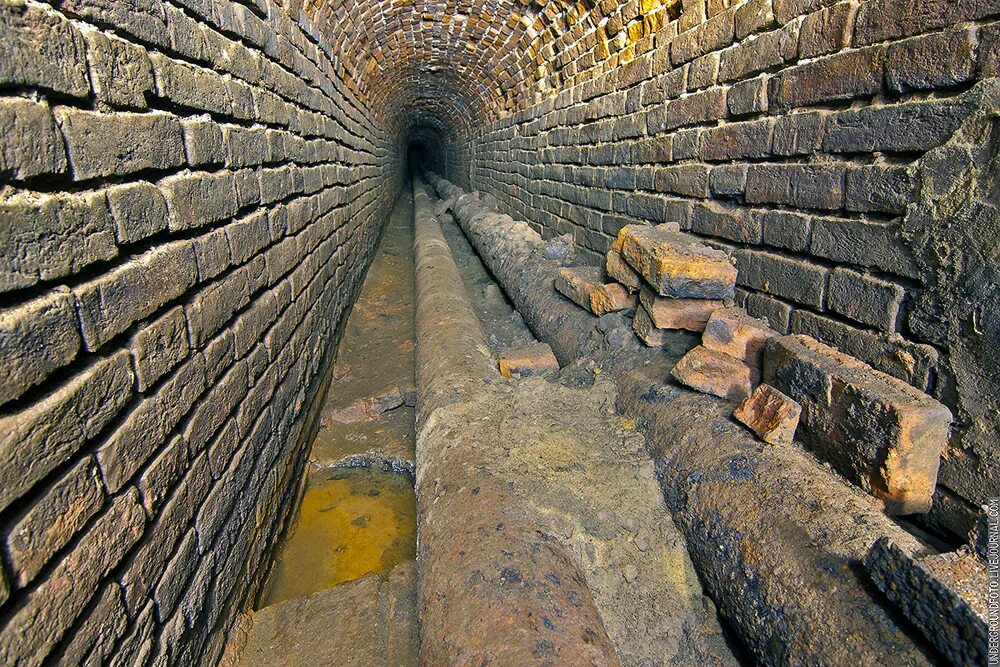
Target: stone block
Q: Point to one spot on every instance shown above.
(528, 361)
(642, 325)
(687, 314)
(66, 232)
(618, 269)
(677, 265)
(715, 373)
(30, 144)
(941, 594)
(879, 432)
(733, 332)
(110, 303)
(42, 49)
(121, 72)
(770, 414)
(115, 144)
(49, 523)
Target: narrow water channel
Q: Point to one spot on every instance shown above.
(358, 512)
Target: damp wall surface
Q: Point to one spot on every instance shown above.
(845, 153)
(189, 196)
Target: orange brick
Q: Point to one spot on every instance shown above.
(689, 314)
(734, 332)
(715, 373)
(770, 414)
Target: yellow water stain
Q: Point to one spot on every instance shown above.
(360, 520)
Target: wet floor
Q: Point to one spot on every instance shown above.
(358, 513)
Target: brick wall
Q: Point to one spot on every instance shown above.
(189, 195)
(795, 134)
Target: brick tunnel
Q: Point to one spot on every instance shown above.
(646, 332)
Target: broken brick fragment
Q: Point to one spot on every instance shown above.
(715, 373)
(688, 314)
(586, 286)
(770, 414)
(879, 432)
(387, 399)
(678, 265)
(734, 332)
(528, 361)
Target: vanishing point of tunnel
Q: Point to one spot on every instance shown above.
(517, 332)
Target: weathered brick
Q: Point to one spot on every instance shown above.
(805, 186)
(843, 76)
(786, 10)
(732, 331)
(39, 437)
(770, 414)
(870, 244)
(110, 303)
(144, 19)
(759, 53)
(245, 147)
(587, 287)
(883, 20)
(199, 199)
(690, 180)
(776, 312)
(735, 223)
(159, 346)
(786, 230)
(728, 179)
(138, 210)
(688, 314)
(753, 16)
(66, 232)
(915, 126)
(865, 299)
(30, 144)
(826, 31)
(213, 306)
(121, 143)
(735, 141)
(798, 133)
(931, 61)
(703, 72)
(180, 567)
(203, 142)
(190, 86)
(677, 265)
(145, 428)
(52, 607)
(121, 72)
(703, 107)
(618, 269)
(42, 49)
(880, 189)
(162, 473)
(748, 97)
(212, 412)
(879, 432)
(789, 278)
(713, 35)
(715, 373)
(101, 626)
(248, 236)
(528, 361)
(36, 338)
(989, 43)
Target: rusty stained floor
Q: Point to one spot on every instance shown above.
(358, 513)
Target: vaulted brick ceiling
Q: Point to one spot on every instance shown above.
(448, 65)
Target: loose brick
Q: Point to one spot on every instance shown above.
(618, 269)
(36, 338)
(52, 607)
(865, 299)
(528, 361)
(687, 314)
(110, 303)
(50, 522)
(677, 265)
(42, 49)
(879, 432)
(800, 185)
(199, 199)
(715, 373)
(30, 144)
(770, 414)
(122, 143)
(121, 72)
(844, 76)
(65, 232)
(642, 325)
(732, 331)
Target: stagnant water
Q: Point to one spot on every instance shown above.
(355, 520)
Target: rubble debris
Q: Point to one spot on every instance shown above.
(734, 332)
(770, 414)
(688, 314)
(944, 595)
(715, 373)
(878, 431)
(677, 265)
(528, 361)
(387, 399)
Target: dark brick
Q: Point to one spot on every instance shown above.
(781, 276)
(916, 126)
(786, 230)
(688, 180)
(748, 97)
(826, 31)
(880, 189)
(41, 49)
(728, 179)
(753, 16)
(729, 222)
(30, 144)
(931, 61)
(798, 134)
(735, 141)
(758, 54)
(883, 20)
(713, 35)
(786, 10)
(868, 244)
(865, 299)
(843, 76)
(805, 186)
